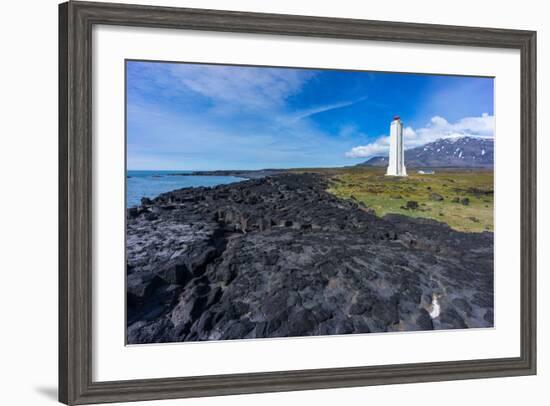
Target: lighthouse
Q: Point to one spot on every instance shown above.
(396, 165)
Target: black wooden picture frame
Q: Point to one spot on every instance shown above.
(76, 20)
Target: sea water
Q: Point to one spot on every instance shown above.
(152, 183)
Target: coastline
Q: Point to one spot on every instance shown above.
(458, 196)
(246, 174)
(150, 184)
(278, 255)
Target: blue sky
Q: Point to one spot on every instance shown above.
(205, 117)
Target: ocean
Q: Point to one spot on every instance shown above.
(152, 183)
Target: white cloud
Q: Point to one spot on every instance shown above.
(481, 127)
(380, 146)
(257, 88)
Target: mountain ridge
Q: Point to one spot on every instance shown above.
(457, 152)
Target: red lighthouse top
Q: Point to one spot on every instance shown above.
(396, 117)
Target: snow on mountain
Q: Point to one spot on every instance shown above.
(456, 152)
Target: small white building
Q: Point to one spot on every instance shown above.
(396, 165)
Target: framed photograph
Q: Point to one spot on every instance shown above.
(258, 202)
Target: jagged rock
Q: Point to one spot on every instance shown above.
(139, 287)
(411, 205)
(424, 321)
(436, 196)
(463, 305)
(145, 201)
(177, 274)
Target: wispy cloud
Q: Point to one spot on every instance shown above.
(242, 87)
(166, 140)
(482, 127)
(322, 109)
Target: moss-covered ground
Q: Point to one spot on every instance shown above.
(461, 198)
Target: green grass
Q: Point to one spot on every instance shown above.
(387, 194)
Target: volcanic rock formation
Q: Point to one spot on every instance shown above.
(281, 257)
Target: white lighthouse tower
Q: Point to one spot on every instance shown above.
(396, 165)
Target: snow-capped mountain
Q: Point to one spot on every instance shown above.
(459, 152)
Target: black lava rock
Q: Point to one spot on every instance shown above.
(279, 256)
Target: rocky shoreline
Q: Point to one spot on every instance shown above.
(245, 174)
(278, 256)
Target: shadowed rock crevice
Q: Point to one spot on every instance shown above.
(279, 256)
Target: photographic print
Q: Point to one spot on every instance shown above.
(266, 202)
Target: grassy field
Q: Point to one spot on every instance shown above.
(461, 198)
